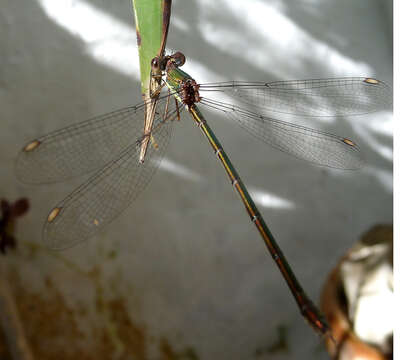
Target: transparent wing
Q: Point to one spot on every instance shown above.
(80, 148)
(107, 193)
(308, 144)
(316, 97)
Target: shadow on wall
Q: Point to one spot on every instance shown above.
(55, 78)
(191, 23)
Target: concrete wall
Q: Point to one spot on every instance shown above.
(187, 262)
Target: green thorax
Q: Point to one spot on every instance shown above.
(175, 78)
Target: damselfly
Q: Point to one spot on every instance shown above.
(113, 145)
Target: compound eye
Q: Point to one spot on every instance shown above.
(179, 58)
(155, 63)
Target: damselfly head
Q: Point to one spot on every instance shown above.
(159, 63)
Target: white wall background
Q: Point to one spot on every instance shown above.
(189, 263)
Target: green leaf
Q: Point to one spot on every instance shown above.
(149, 20)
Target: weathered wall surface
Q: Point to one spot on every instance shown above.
(184, 260)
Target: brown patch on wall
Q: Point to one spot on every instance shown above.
(131, 335)
(49, 323)
(53, 332)
(4, 354)
(168, 353)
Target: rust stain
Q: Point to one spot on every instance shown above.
(168, 353)
(131, 335)
(4, 354)
(49, 323)
(53, 327)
